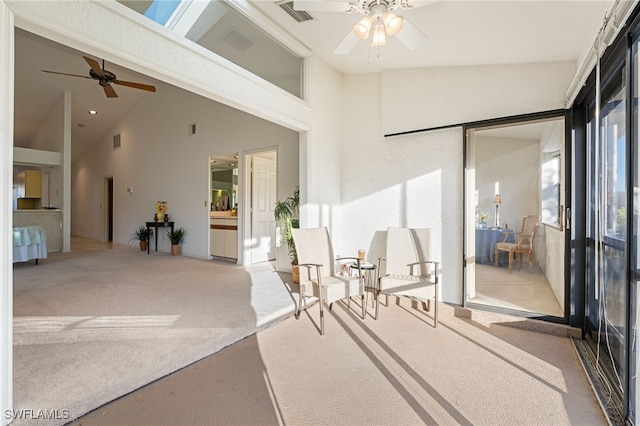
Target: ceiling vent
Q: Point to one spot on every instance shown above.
(298, 15)
(235, 39)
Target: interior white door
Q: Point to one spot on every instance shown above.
(263, 198)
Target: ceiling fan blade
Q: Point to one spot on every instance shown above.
(109, 91)
(348, 43)
(411, 36)
(321, 6)
(64, 73)
(141, 86)
(95, 66)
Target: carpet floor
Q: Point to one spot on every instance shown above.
(105, 324)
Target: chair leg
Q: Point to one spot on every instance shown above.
(299, 307)
(364, 306)
(322, 318)
(496, 257)
(435, 313)
(511, 256)
(376, 295)
(530, 263)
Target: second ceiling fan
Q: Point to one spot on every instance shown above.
(105, 78)
(379, 18)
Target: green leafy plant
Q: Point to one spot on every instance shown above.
(142, 233)
(286, 213)
(177, 236)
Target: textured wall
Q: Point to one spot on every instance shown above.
(159, 160)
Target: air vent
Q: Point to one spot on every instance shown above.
(116, 142)
(237, 40)
(298, 15)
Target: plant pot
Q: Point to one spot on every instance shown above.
(144, 245)
(296, 273)
(175, 249)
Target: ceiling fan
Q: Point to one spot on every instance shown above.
(378, 16)
(105, 78)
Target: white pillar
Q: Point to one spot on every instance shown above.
(66, 175)
(6, 212)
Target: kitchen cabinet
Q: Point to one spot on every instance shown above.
(29, 184)
(224, 237)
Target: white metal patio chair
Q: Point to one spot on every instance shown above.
(318, 276)
(408, 270)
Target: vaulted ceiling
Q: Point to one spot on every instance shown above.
(460, 33)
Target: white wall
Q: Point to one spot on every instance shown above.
(514, 163)
(552, 262)
(159, 160)
(424, 98)
(321, 191)
(6, 207)
(416, 180)
(50, 137)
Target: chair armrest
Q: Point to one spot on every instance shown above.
(506, 235)
(380, 261)
(426, 262)
(309, 266)
(348, 258)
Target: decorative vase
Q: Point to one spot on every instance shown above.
(155, 217)
(144, 245)
(296, 273)
(166, 218)
(159, 215)
(482, 224)
(175, 249)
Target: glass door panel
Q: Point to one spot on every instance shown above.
(634, 355)
(514, 170)
(607, 278)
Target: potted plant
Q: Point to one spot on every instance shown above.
(286, 213)
(142, 234)
(176, 237)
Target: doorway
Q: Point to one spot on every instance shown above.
(108, 209)
(514, 192)
(260, 242)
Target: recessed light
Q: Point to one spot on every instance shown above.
(92, 112)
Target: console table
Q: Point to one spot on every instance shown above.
(157, 225)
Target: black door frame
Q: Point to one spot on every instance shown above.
(513, 120)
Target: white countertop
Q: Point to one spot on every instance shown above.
(37, 211)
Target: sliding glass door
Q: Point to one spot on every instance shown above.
(514, 170)
(606, 289)
(634, 302)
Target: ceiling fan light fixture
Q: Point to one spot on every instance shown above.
(393, 23)
(379, 37)
(362, 28)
